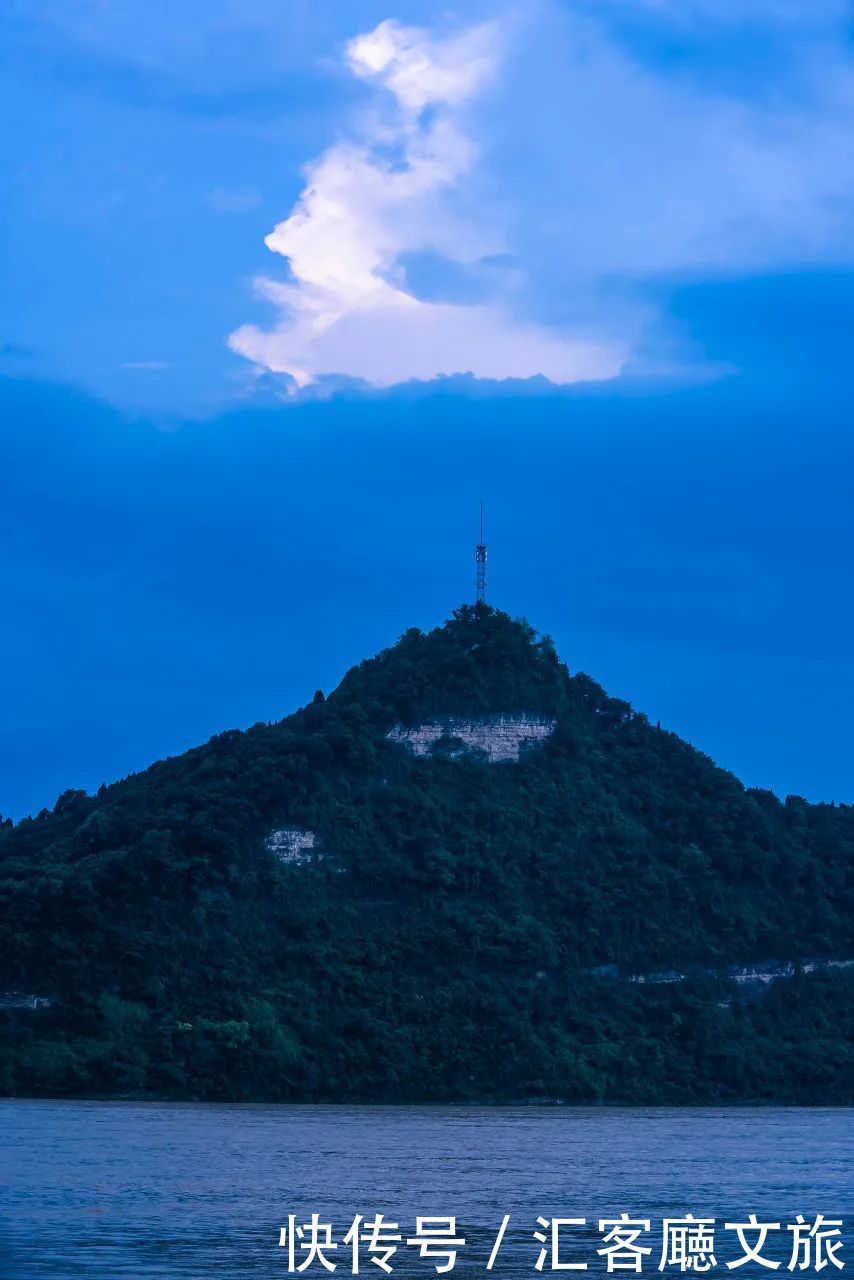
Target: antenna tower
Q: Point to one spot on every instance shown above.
(480, 560)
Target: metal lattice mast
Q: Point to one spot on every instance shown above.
(480, 559)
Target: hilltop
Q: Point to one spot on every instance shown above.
(441, 882)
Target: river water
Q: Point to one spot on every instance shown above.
(117, 1190)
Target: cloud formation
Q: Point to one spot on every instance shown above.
(721, 157)
(376, 199)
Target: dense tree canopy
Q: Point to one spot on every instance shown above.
(443, 947)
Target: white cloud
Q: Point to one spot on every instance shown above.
(389, 192)
(421, 71)
(614, 169)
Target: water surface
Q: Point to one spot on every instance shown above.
(118, 1190)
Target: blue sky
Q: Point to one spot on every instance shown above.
(249, 249)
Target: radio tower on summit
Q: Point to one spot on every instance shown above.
(480, 560)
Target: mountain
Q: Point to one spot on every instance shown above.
(444, 882)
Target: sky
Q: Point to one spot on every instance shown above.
(289, 286)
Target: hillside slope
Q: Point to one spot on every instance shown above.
(376, 899)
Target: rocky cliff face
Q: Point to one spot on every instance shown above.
(292, 845)
(499, 737)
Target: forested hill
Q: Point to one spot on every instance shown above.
(434, 885)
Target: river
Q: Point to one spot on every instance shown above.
(173, 1191)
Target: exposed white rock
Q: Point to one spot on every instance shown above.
(19, 1000)
(764, 972)
(662, 976)
(769, 973)
(501, 737)
(293, 846)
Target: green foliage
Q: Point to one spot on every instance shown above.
(442, 949)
